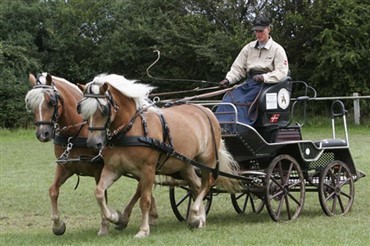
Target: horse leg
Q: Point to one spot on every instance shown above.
(107, 178)
(61, 175)
(197, 214)
(104, 224)
(153, 214)
(146, 184)
(126, 213)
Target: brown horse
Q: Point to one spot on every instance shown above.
(165, 141)
(53, 101)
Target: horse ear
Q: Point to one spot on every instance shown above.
(32, 79)
(81, 87)
(49, 79)
(103, 88)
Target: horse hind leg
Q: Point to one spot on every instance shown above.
(145, 202)
(197, 213)
(126, 213)
(153, 214)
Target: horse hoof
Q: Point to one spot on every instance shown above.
(122, 222)
(103, 233)
(120, 226)
(60, 230)
(142, 234)
(194, 224)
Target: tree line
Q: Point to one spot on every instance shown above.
(327, 43)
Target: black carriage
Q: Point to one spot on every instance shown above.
(277, 165)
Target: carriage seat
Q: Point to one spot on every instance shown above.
(273, 107)
(274, 104)
(329, 143)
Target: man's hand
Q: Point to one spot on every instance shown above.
(258, 78)
(224, 83)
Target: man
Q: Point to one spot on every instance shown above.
(261, 61)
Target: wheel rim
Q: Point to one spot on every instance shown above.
(336, 189)
(181, 201)
(285, 188)
(242, 201)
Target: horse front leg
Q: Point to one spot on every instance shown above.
(104, 224)
(197, 214)
(107, 178)
(61, 175)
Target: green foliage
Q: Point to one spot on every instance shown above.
(327, 42)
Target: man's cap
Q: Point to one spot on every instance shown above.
(260, 23)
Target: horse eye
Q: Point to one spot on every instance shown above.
(51, 103)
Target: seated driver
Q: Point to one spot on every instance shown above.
(260, 61)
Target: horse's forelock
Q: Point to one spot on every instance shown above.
(34, 97)
(88, 106)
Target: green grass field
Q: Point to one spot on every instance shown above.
(27, 169)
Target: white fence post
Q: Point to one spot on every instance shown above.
(356, 109)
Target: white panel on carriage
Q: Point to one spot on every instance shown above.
(271, 101)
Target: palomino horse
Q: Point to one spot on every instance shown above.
(143, 140)
(53, 101)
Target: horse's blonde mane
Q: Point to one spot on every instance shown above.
(130, 88)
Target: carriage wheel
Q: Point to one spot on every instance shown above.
(285, 188)
(336, 189)
(182, 201)
(240, 202)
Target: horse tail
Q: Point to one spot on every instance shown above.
(230, 166)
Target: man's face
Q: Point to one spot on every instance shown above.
(262, 35)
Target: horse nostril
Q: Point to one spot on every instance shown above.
(99, 145)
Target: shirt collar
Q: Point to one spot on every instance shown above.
(267, 45)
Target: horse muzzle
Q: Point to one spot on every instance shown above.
(45, 133)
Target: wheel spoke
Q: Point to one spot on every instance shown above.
(330, 196)
(276, 182)
(276, 194)
(280, 205)
(345, 194)
(245, 203)
(347, 181)
(252, 204)
(286, 181)
(188, 210)
(334, 206)
(294, 199)
(341, 204)
(182, 199)
(287, 207)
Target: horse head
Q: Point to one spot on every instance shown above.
(45, 102)
(102, 99)
(96, 108)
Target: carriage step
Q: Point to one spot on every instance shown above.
(289, 134)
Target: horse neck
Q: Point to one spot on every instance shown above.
(69, 116)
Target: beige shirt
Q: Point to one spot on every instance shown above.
(271, 60)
